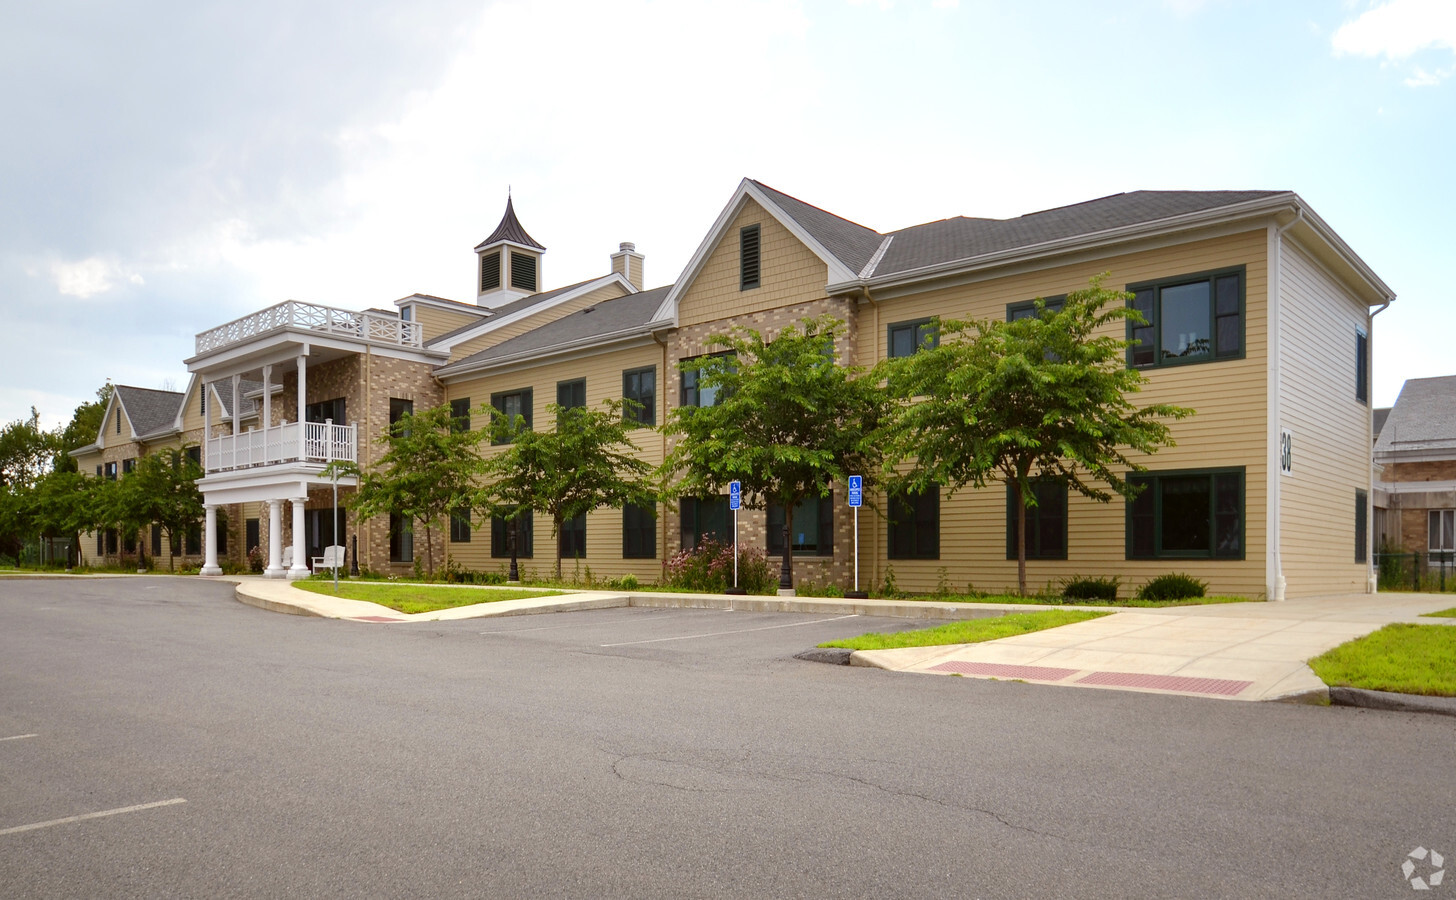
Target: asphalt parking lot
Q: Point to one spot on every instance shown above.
(157, 738)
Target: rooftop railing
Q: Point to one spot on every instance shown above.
(364, 326)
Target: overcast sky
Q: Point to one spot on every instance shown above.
(167, 167)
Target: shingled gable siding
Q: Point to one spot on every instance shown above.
(789, 273)
(603, 374)
(536, 320)
(1229, 430)
(436, 322)
(1331, 429)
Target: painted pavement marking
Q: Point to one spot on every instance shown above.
(16, 737)
(96, 815)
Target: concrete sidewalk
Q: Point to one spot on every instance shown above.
(1239, 651)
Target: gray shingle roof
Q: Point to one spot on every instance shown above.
(622, 314)
(149, 410)
(225, 394)
(510, 229)
(960, 238)
(512, 307)
(851, 243)
(1423, 418)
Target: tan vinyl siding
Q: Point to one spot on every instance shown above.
(1331, 459)
(603, 374)
(791, 273)
(535, 320)
(1230, 397)
(438, 321)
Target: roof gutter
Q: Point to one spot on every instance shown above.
(457, 370)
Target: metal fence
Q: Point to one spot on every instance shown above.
(1433, 571)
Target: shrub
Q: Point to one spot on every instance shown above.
(627, 582)
(257, 560)
(1173, 586)
(709, 567)
(890, 590)
(815, 589)
(1082, 588)
(454, 573)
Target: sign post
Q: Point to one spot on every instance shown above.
(735, 501)
(856, 500)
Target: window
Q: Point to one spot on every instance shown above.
(193, 547)
(98, 471)
(100, 544)
(401, 539)
(1187, 515)
(1362, 367)
(195, 454)
(156, 541)
(490, 271)
(460, 526)
(111, 543)
(512, 404)
(639, 532)
(1027, 308)
(460, 413)
(571, 394)
(1441, 531)
(500, 536)
(1046, 522)
(251, 535)
(398, 409)
(1192, 319)
(523, 271)
(640, 386)
(703, 519)
(750, 262)
(406, 313)
(222, 532)
(906, 337)
(128, 466)
(129, 544)
(915, 525)
(572, 539)
(1362, 525)
(332, 411)
(813, 527)
(110, 471)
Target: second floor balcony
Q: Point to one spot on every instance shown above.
(317, 443)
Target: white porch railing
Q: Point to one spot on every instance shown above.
(364, 326)
(318, 442)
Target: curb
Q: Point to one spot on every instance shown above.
(1345, 696)
(834, 656)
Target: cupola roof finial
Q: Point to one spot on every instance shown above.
(510, 229)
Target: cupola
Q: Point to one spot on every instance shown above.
(508, 263)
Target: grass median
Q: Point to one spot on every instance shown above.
(970, 631)
(1444, 614)
(419, 598)
(1401, 658)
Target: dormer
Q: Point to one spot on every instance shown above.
(508, 263)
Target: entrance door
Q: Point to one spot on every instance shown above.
(320, 530)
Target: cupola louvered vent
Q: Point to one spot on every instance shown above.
(490, 271)
(523, 272)
(749, 262)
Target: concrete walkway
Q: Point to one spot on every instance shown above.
(1238, 651)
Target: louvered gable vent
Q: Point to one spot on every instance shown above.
(489, 271)
(523, 271)
(749, 263)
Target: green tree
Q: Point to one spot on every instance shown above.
(588, 461)
(85, 424)
(789, 422)
(26, 454)
(1044, 397)
(161, 489)
(428, 470)
(64, 504)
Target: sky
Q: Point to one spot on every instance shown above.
(168, 167)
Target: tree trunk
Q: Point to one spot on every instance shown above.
(429, 552)
(786, 569)
(556, 523)
(1020, 540)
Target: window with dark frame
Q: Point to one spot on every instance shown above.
(401, 539)
(571, 394)
(194, 540)
(1441, 531)
(813, 527)
(252, 531)
(1046, 522)
(500, 536)
(1362, 367)
(110, 471)
(332, 410)
(490, 271)
(512, 404)
(750, 259)
(572, 539)
(699, 519)
(460, 530)
(1362, 525)
(1027, 308)
(398, 409)
(128, 466)
(693, 392)
(905, 338)
(1189, 319)
(523, 271)
(639, 532)
(640, 386)
(156, 541)
(1192, 514)
(460, 414)
(915, 525)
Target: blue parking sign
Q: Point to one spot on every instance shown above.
(856, 490)
(735, 495)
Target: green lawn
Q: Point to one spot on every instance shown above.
(1445, 613)
(1406, 659)
(971, 631)
(418, 598)
(1041, 600)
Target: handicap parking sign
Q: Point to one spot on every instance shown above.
(856, 490)
(735, 495)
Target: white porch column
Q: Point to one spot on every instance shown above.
(267, 409)
(209, 543)
(302, 392)
(237, 404)
(299, 569)
(275, 540)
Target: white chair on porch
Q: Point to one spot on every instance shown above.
(333, 558)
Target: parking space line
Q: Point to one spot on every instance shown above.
(688, 637)
(16, 737)
(96, 815)
(577, 624)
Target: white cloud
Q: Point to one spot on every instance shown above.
(90, 277)
(1399, 30)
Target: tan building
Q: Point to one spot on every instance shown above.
(1259, 318)
(1415, 458)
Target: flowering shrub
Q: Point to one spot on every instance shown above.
(709, 567)
(256, 559)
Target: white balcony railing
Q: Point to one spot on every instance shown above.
(365, 326)
(291, 442)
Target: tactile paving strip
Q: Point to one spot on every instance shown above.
(1221, 687)
(1003, 670)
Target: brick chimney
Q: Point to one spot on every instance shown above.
(628, 263)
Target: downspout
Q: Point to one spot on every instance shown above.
(1372, 583)
(874, 541)
(361, 447)
(1274, 293)
(662, 393)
